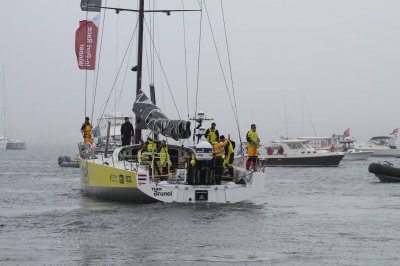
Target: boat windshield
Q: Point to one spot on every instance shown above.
(295, 146)
(382, 141)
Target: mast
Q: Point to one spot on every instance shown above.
(4, 100)
(138, 132)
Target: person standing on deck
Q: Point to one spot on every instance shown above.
(252, 147)
(86, 130)
(127, 132)
(212, 134)
(218, 158)
(228, 155)
(164, 157)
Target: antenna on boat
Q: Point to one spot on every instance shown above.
(200, 117)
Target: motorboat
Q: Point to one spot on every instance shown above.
(297, 152)
(3, 142)
(15, 144)
(385, 171)
(350, 152)
(381, 146)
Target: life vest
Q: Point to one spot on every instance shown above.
(151, 146)
(229, 148)
(212, 137)
(87, 133)
(218, 148)
(253, 136)
(164, 156)
(229, 154)
(87, 130)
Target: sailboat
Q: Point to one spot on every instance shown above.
(7, 143)
(130, 172)
(3, 139)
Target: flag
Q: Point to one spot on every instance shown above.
(395, 131)
(96, 132)
(86, 42)
(346, 133)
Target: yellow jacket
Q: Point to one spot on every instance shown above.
(252, 139)
(218, 148)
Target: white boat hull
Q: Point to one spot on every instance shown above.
(228, 192)
(357, 155)
(383, 152)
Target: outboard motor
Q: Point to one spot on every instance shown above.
(203, 173)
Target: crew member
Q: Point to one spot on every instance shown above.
(212, 134)
(165, 162)
(252, 147)
(86, 130)
(127, 132)
(141, 152)
(151, 147)
(218, 158)
(229, 155)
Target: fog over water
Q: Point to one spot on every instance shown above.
(341, 57)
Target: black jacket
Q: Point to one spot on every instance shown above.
(127, 129)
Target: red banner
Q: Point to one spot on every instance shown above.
(86, 42)
(347, 132)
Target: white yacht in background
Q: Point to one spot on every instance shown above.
(381, 146)
(347, 146)
(15, 144)
(297, 153)
(3, 143)
(8, 144)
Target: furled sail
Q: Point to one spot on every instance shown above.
(156, 121)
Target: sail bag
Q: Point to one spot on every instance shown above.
(156, 121)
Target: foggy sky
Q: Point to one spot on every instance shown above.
(341, 57)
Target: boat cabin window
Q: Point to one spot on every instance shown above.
(295, 146)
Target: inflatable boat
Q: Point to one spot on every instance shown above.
(65, 161)
(385, 171)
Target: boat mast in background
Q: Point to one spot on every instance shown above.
(4, 100)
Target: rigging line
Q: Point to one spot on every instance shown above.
(286, 122)
(220, 62)
(152, 51)
(147, 58)
(198, 63)
(302, 113)
(98, 64)
(309, 113)
(116, 69)
(186, 68)
(163, 71)
(86, 70)
(115, 80)
(230, 69)
(127, 65)
(161, 78)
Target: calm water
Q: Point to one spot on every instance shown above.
(307, 216)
